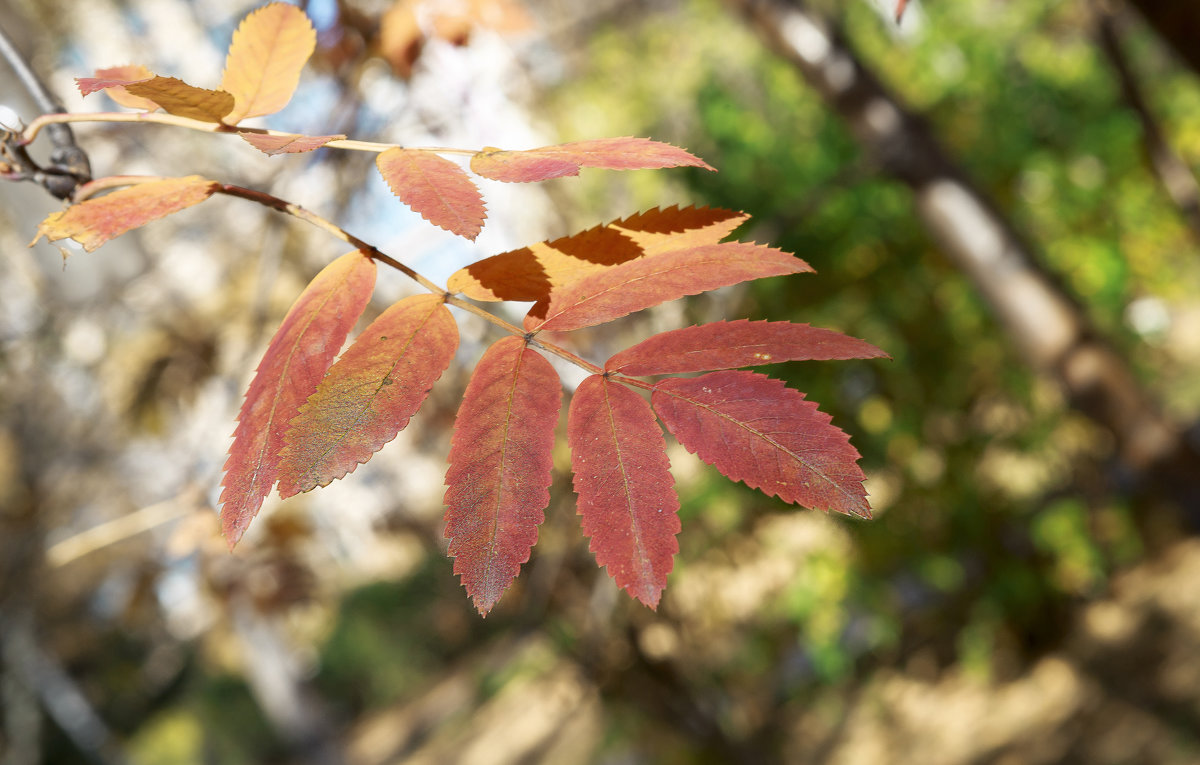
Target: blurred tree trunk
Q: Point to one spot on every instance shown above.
(1172, 171)
(1046, 324)
(1178, 23)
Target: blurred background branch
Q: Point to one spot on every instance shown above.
(69, 166)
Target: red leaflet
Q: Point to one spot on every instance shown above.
(113, 80)
(732, 344)
(301, 350)
(648, 281)
(370, 394)
(436, 188)
(500, 461)
(287, 144)
(95, 221)
(754, 429)
(623, 479)
(567, 158)
(177, 97)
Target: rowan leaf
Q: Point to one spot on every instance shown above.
(436, 188)
(626, 493)
(754, 429)
(113, 79)
(370, 394)
(531, 273)
(177, 97)
(566, 159)
(94, 221)
(733, 344)
(637, 284)
(265, 59)
(296, 359)
(288, 143)
(500, 464)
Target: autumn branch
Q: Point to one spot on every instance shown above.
(69, 165)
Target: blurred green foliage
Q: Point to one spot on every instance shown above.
(994, 508)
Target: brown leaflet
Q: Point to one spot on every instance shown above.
(754, 429)
(119, 75)
(177, 97)
(436, 188)
(733, 344)
(547, 162)
(370, 394)
(288, 143)
(649, 281)
(531, 273)
(500, 464)
(95, 221)
(675, 228)
(296, 359)
(626, 492)
(265, 59)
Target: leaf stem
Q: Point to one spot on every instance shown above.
(92, 188)
(158, 118)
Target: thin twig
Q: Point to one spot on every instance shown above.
(69, 165)
(122, 527)
(1172, 171)
(47, 121)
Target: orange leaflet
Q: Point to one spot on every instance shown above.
(566, 159)
(648, 281)
(265, 59)
(370, 394)
(732, 344)
(287, 144)
(296, 359)
(627, 501)
(436, 188)
(119, 76)
(500, 462)
(177, 97)
(755, 430)
(530, 273)
(95, 221)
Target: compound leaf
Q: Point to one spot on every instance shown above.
(94, 221)
(732, 344)
(177, 97)
(627, 501)
(265, 58)
(296, 359)
(436, 188)
(637, 284)
(754, 429)
(500, 464)
(370, 394)
(566, 159)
